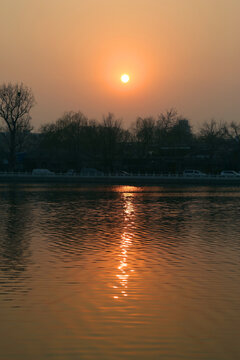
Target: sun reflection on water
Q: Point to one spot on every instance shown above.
(124, 270)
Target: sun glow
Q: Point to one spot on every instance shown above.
(125, 78)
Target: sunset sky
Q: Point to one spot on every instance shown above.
(72, 53)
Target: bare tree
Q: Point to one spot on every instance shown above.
(111, 136)
(213, 134)
(164, 125)
(167, 120)
(16, 101)
(66, 140)
(214, 130)
(144, 131)
(233, 131)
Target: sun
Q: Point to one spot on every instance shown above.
(125, 78)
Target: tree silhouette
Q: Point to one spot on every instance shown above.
(16, 101)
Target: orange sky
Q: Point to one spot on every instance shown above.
(178, 53)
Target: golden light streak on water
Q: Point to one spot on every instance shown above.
(126, 242)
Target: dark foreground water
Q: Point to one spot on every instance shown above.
(119, 273)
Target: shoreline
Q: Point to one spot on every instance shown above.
(120, 179)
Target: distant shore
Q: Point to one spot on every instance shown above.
(119, 179)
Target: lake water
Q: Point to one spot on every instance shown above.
(119, 272)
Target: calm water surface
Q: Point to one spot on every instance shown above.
(119, 273)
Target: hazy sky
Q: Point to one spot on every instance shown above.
(178, 53)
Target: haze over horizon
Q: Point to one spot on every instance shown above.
(180, 54)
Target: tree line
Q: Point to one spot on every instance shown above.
(151, 144)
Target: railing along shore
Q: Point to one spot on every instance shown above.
(119, 178)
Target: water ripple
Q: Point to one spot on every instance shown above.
(113, 272)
